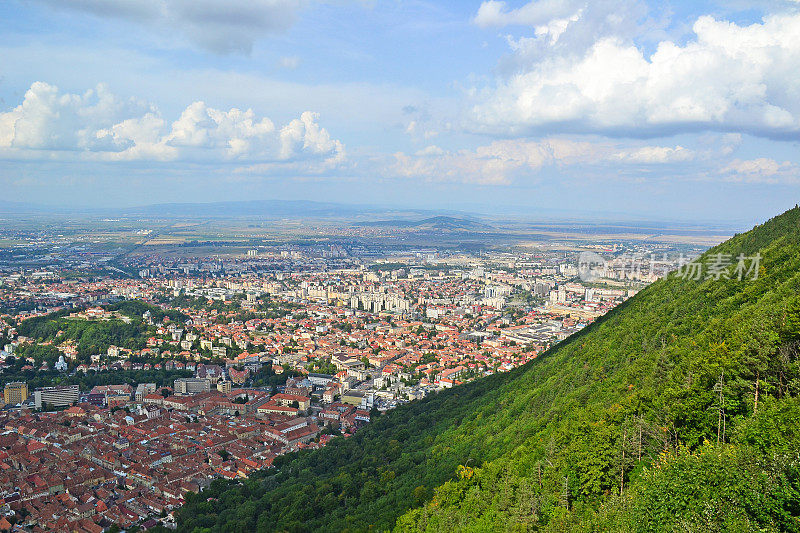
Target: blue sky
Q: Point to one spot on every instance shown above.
(685, 110)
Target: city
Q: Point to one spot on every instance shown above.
(131, 390)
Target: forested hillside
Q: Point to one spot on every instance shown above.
(93, 336)
(677, 411)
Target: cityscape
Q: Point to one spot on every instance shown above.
(132, 376)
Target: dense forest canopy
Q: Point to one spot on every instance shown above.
(676, 411)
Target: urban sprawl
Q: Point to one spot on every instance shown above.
(122, 393)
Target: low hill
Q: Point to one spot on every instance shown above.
(677, 411)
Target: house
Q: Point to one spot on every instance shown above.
(212, 373)
(292, 400)
(273, 408)
(238, 376)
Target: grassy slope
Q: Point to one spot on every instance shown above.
(548, 445)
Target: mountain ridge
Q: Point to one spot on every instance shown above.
(439, 222)
(234, 208)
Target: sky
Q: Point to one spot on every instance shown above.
(682, 110)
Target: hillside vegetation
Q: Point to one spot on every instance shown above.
(677, 411)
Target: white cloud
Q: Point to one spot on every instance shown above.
(655, 154)
(566, 27)
(496, 163)
(537, 13)
(305, 136)
(98, 125)
(729, 78)
(238, 133)
(503, 162)
(555, 28)
(761, 170)
(430, 150)
(48, 120)
(420, 130)
(220, 27)
(133, 139)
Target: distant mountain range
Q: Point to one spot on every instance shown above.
(360, 214)
(267, 208)
(235, 209)
(432, 223)
(17, 208)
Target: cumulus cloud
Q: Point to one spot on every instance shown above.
(726, 78)
(98, 125)
(761, 170)
(49, 120)
(496, 163)
(305, 136)
(220, 27)
(133, 139)
(655, 154)
(235, 131)
(503, 162)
